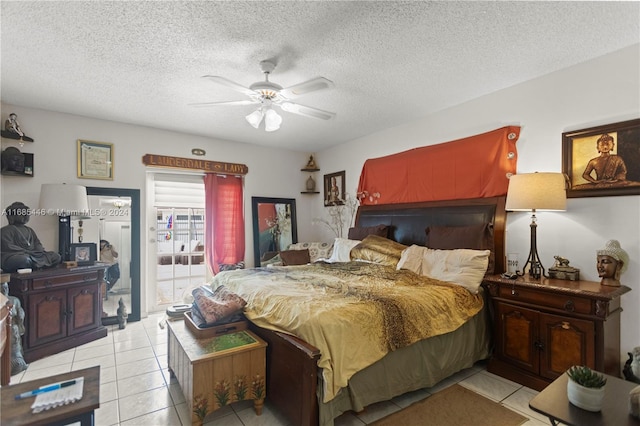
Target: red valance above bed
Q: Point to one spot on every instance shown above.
(472, 167)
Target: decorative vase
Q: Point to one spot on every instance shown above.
(589, 399)
(257, 405)
(311, 184)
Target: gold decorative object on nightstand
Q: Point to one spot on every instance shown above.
(562, 271)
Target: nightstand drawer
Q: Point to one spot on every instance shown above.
(567, 303)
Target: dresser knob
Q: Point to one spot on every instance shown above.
(569, 306)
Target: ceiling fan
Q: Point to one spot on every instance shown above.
(269, 95)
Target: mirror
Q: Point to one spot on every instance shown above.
(274, 226)
(114, 218)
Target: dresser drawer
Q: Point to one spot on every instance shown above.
(563, 302)
(58, 281)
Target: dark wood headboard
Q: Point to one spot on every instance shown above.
(408, 222)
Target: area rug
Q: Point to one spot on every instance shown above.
(455, 405)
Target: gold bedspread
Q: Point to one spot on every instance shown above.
(354, 312)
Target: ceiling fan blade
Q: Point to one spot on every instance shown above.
(230, 84)
(313, 85)
(245, 102)
(307, 111)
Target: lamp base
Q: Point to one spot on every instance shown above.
(64, 236)
(536, 270)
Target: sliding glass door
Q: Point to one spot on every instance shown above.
(180, 262)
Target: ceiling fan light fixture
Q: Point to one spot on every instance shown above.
(255, 117)
(272, 120)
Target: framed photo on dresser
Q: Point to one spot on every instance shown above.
(83, 253)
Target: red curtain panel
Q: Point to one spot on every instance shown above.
(472, 167)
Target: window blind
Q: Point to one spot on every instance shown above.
(178, 190)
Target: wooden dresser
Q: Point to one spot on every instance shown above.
(63, 308)
(543, 327)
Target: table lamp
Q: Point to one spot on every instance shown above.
(64, 201)
(531, 192)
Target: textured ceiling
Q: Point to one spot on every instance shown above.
(391, 62)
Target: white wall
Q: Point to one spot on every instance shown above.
(602, 91)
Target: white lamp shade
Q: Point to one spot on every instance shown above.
(272, 121)
(255, 118)
(537, 191)
(63, 199)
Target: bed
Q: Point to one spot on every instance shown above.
(304, 393)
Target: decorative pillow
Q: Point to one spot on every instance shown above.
(295, 257)
(475, 237)
(378, 250)
(217, 306)
(411, 259)
(316, 250)
(360, 233)
(342, 249)
(461, 266)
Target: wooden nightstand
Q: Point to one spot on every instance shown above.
(221, 369)
(543, 327)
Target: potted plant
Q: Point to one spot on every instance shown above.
(585, 388)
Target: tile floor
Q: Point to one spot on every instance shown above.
(136, 389)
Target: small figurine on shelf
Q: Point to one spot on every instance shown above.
(12, 129)
(311, 184)
(612, 261)
(12, 125)
(122, 314)
(311, 164)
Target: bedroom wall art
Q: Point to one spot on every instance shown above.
(95, 160)
(334, 193)
(603, 160)
(274, 226)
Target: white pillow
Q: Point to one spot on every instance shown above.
(342, 249)
(411, 259)
(464, 267)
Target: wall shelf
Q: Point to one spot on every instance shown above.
(24, 169)
(310, 183)
(10, 135)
